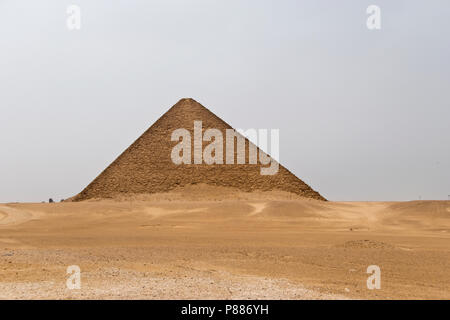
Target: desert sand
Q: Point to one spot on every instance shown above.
(216, 243)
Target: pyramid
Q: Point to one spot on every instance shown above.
(146, 167)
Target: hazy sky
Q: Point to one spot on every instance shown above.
(363, 114)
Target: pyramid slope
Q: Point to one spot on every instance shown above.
(146, 166)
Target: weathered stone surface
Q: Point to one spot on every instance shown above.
(146, 166)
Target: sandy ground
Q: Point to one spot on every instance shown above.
(258, 246)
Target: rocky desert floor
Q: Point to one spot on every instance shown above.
(225, 246)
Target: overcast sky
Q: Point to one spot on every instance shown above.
(363, 114)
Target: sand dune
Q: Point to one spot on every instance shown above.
(10, 216)
(261, 246)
